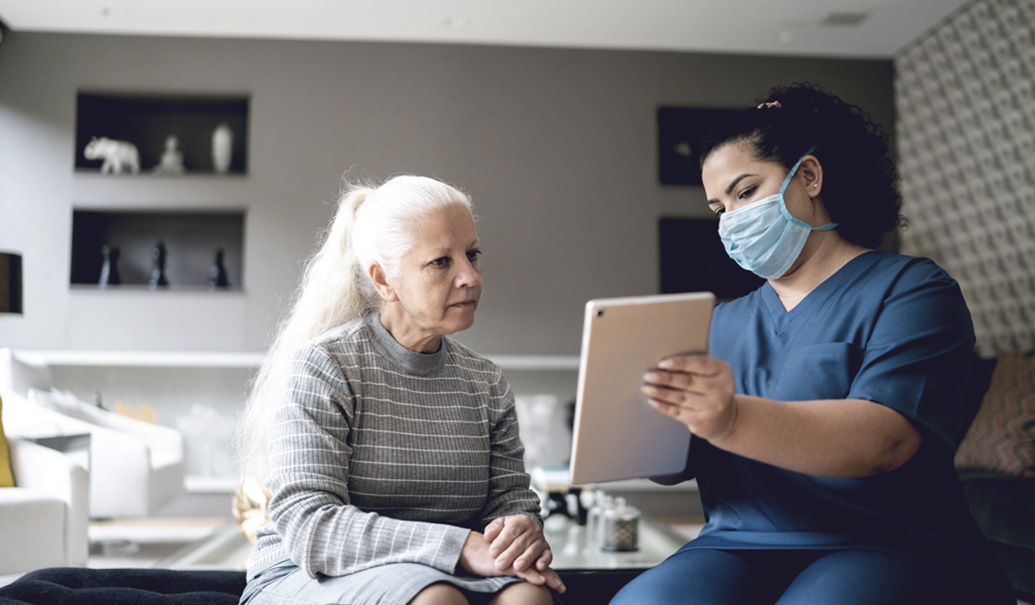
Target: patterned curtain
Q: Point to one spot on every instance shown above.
(965, 99)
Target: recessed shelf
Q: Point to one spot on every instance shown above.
(191, 239)
(147, 121)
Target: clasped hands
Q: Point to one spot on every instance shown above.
(511, 546)
(697, 390)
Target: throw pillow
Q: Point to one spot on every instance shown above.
(6, 478)
(1002, 437)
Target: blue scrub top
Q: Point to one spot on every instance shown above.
(886, 328)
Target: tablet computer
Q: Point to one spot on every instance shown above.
(617, 434)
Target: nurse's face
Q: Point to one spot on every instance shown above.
(734, 178)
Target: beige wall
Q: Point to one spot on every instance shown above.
(556, 146)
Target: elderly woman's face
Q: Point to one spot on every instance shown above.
(440, 279)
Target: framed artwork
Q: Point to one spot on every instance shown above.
(680, 130)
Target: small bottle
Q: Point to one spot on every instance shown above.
(595, 519)
(620, 527)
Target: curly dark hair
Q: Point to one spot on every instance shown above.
(859, 185)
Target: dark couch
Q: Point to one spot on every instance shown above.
(1004, 505)
(1005, 510)
(82, 586)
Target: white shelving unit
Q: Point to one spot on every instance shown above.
(144, 359)
(245, 359)
(537, 362)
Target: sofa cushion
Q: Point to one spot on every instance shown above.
(1002, 437)
(6, 478)
(82, 586)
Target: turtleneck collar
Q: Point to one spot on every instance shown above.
(411, 362)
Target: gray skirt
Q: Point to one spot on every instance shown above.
(392, 584)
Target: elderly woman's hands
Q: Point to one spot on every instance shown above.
(513, 546)
(518, 540)
(697, 390)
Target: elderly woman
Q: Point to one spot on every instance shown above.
(391, 451)
(826, 415)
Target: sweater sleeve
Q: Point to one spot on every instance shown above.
(310, 508)
(509, 491)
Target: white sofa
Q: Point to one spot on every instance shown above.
(44, 518)
(147, 468)
(135, 467)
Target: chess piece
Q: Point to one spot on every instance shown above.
(109, 267)
(158, 266)
(217, 274)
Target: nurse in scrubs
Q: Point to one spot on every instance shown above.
(826, 413)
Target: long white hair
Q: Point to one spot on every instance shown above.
(372, 225)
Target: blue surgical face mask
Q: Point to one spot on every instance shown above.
(763, 237)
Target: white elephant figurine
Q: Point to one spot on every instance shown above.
(119, 156)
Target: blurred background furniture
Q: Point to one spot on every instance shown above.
(46, 508)
(148, 471)
(200, 394)
(996, 462)
(133, 470)
(136, 467)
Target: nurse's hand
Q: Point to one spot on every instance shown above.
(697, 390)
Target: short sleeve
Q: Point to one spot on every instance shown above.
(918, 353)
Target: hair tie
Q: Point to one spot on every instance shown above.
(770, 105)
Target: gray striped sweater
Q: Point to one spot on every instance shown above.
(379, 454)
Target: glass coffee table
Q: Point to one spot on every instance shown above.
(571, 551)
(593, 575)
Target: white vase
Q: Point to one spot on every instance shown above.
(222, 148)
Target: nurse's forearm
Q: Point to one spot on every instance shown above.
(830, 438)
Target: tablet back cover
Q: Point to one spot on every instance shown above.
(617, 434)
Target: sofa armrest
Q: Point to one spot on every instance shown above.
(166, 444)
(21, 374)
(50, 471)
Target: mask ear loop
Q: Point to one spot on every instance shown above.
(783, 205)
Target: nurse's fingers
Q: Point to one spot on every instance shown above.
(672, 380)
(691, 363)
(699, 384)
(704, 422)
(668, 396)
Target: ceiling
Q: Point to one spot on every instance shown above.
(824, 28)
